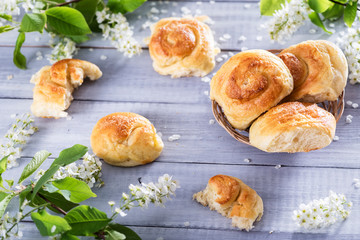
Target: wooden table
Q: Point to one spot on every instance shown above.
(181, 106)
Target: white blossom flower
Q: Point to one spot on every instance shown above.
(288, 19)
(121, 212)
(350, 43)
(115, 28)
(88, 170)
(62, 48)
(9, 7)
(144, 194)
(5, 224)
(323, 213)
(15, 137)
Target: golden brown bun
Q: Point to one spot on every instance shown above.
(125, 139)
(54, 86)
(182, 47)
(319, 69)
(293, 127)
(249, 84)
(232, 198)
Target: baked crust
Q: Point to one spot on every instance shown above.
(126, 139)
(293, 127)
(319, 69)
(182, 47)
(54, 86)
(233, 199)
(248, 84)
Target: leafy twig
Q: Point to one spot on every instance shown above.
(27, 214)
(52, 204)
(342, 4)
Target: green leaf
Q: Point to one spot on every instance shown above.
(268, 7)
(79, 38)
(3, 164)
(49, 225)
(114, 235)
(10, 183)
(124, 6)
(72, 189)
(7, 17)
(6, 198)
(87, 8)
(130, 234)
(67, 236)
(70, 155)
(85, 220)
(6, 28)
(315, 19)
(67, 21)
(33, 22)
(334, 13)
(320, 6)
(350, 13)
(34, 164)
(47, 175)
(19, 59)
(55, 198)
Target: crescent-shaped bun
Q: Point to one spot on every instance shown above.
(182, 47)
(293, 127)
(249, 84)
(54, 86)
(126, 139)
(232, 198)
(319, 69)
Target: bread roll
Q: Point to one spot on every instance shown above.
(249, 84)
(54, 86)
(232, 198)
(319, 69)
(182, 47)
(293, 127)
(126, 139)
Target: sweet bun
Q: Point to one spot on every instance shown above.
(248, 84)
(319, 69)
(182, 47)
(232, 198)
(54, 86)
(293, 127)
(126, 139)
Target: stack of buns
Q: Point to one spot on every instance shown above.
(254, 82)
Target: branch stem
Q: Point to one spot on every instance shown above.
(67, 3)
(52, 204)
(343, 4)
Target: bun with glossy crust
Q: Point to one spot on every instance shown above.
(126, 139)
(293, 127)
(182, 47)
(248, 84)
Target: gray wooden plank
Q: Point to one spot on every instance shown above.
(282, 190)
(124, 79)
(161, 233)
(200, 141)
(234, 18)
